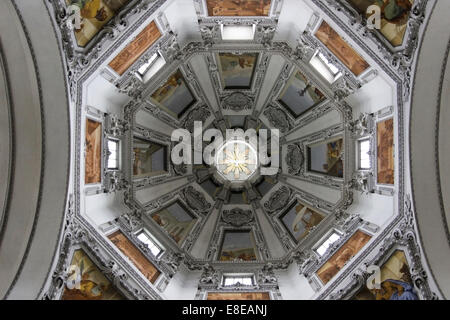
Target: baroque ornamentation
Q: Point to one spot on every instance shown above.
(179, 169)
(403, 234)
(209, 276)
(399, 61)
(294, 159)
(116, 126)
(237, 217)
(344, 86)
(196, 200)
(114, 181)
(362, 126)
(79, 235)
(278, 200)
(267, 275)
(80, 58)
(267, 34)
(237, 101)
(402, 237)
(278, 118)
(201, 113)
(363, 181)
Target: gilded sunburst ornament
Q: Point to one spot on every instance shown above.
(237, 160)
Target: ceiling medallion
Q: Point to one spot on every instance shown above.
(236, 160)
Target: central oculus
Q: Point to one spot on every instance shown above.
(236, 160)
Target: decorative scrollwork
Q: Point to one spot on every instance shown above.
(116, 126)
(278, 200)
(294, 159)
(209, 276)
(180, 169)
(237, 101)
(196, 200)
(237, 217)
(278, 118)
(362, 126)
(198, 114)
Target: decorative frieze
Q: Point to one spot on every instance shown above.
(294, 159)
(237, 101)
(237, 217)
(196, 200)
(278, 118)
(278, 200)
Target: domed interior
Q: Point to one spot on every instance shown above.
(227, 149)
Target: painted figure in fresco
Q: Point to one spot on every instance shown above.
(90, 9)
(298, 218)
(159, 220)
(313, 91)
(169, 87)
(137, 164)
(395, 11)
(334, 165)
(385, 157)
(394, 16)
(397, 289)
(245, 63)
(342, 256)
(242, 62)
(88, 289)
(238, 7)
(238, 296)
(400, 288)
(90, 150)
(304, 220)
(337, 264)
(244, 256)
(93, 152)
(334, 149)
(94, 15)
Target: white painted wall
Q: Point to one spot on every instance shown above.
(103, 95)
(38, 184)
(322, 192)
(273, 242)
(294, 286)
(271, 77)
(201, 245)
(183, 21)
(428, 197)
(374, 208)
(294, 17)
(104, 207)
(148, 194)
(184, 285)
(201, 70)
(373, 96)
(145, 119)
(327, 120)
(444, 145)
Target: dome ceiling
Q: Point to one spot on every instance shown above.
(289, 71)
(301, 195)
